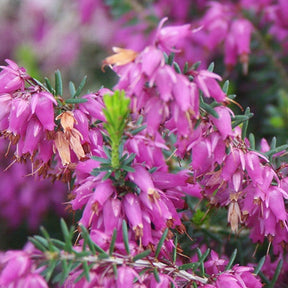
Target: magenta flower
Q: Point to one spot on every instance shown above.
(152, 60)
(223, 123)
(168, 37)
(42, 105)
(112, 215)
(94, 105)
(133, 212)
(5, 105)
(96, 201)
(164, 281)
(239, 42)
(125, 277)
(19, 116)
(18, 271)
(33, 136)
(206, 81)
(12, 77)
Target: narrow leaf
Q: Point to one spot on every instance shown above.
(276, 150)
(37, 244)
(72, 88)
(80, 88)
(112, 244)
(67, 236)
(46, 235)
(238, 119)
(125, 236)
(60, 244)
(189, 266)
(259, 266)
(209, 109)
(185, 69)
(92, 245)
(211, 67)
(115, 272)
(75, 100)
(50, 269)
(205, 255)
(245, 125)
(277, 273)
(128, 168)
(160, 244)
(137, 130)
(175, 249)
(48, 85)
(142, 255)
(86, 271)
(58, 83)
(232, 259)
(273, 143)
(201, 264)
(107, 152)
(107, 175)
(195, 65)
(252, 141)
(156, 275)
(100, 159)
(177, 67)
(226, 87)
(171, 58)
(65, 271)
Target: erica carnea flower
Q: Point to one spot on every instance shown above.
(12, 77)
(20, 271)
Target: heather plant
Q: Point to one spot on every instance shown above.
(247, 40)
(165, 186)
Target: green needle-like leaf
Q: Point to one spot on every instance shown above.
(175, 249)
(80, 88)
(125, 236)
(209, 109)
(259, 266)
(245, 125)
(156, 275)
(37, 244)
(92, 245)
(50, 269)
(211, 67)
(276, 150)
(177, 67)
(58, 83)
(75, 100)
(142, 255)
(232, 259)
(238, 119)
(277, 273)
(112, 244)
(170, 59)
(189, 266)
(252, 141)
(160, 244)
(100, 159)
(49, 86)
(67, 236)
(72, 88)
(51, 247)
(226, 87)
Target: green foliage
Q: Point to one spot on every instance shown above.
(116, 113)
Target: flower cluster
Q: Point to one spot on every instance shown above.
(225, 26)
(20, 271)
(134, 158)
